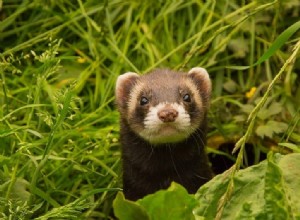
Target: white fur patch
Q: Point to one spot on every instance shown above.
(201, 71)
(124, 77)
(156, 131)
(204, 74)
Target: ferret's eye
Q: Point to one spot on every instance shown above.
(187, 98)
(144, 101)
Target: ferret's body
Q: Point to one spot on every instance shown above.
(163, 130)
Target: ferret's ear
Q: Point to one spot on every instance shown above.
(201, 78)
(123, 87)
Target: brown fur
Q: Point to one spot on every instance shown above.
(147, 167)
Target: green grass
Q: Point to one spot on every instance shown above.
(59, 150)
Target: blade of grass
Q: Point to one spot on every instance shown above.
(278, 43)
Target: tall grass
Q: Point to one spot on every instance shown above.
(59, 61)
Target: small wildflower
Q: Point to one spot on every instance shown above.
(81, 60)
(251, 92)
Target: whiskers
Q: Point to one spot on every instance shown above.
(173, 162)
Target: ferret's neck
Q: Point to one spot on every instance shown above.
(138, 151)
(148, 168)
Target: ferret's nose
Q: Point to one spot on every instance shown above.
(167, 115)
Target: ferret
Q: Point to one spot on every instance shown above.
(163, 130)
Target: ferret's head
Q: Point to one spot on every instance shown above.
(164, 106)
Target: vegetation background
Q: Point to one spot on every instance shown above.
(59, 149)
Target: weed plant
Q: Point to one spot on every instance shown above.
(59, 149)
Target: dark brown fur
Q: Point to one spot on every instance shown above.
(148, 168)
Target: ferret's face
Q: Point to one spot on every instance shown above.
(164, 106)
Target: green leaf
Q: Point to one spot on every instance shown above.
(290, 167)
(128, 210)
(279, 42)
(264, 131)
(295, 148)
(276, 205)
(270, 128)
(278, 127)
(230, 86)
(244, 201)
(239, 46)
(273, 109)
(247, 108)
(174, 203)
(269, 190)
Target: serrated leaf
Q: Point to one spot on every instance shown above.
(278, 127)
(270, 128)
(274, 109)
(264, 130)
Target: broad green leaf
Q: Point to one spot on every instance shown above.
(278, 127)
(273, 109)
(247, 108)
(290, 167)
(276, 204)
(264, 131)
(128, 210)
(244, 201)
(270, 128)
(269, 190)
(174, 203)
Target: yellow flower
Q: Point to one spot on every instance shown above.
(81, 60)
(251, 92)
